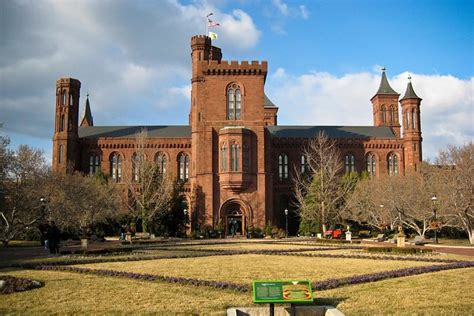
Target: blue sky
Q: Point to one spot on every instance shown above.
(324, 60)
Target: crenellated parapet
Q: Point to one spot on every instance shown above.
(214, 67)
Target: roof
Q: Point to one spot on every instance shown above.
(268, 103)
(410, 93)
(87, 119)
(331, 131)
(154, 131)
(384, 87)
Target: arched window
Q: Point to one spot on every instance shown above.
(384, 114)
(349, 162)
(61, 123)
(183, 167)
(408, 119)
(392, 162)
(413, 118)
(392, 114)
(224, 160)
(371, 164)
(94, 163)
(60, 154)
(116, 167)
(282, 167)
(234, 157)
(245, 158)
(70, 100)
(135, 168)
(234, 102)
(63, 97)
(304, 167)
(161, 160)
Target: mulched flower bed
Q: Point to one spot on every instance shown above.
(373, 277)
(9, 284)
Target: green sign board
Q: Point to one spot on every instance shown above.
(282, 292)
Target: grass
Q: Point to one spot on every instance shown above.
(246, 268)
(439, 293)
(69, 293)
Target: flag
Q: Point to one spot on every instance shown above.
(213, 35)
(212, 23)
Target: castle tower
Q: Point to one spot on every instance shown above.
(87, 119)
(385, 106)
(410, 104)
(65, 138)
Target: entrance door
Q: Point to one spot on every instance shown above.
(235, 225)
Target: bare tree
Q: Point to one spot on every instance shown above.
(321, 192)
(22, 173)
(456, 190)
(80, 201)
(150, 188)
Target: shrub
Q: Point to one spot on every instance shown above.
(364, 234)
(268, 229)
(412, 251)
(13, 284)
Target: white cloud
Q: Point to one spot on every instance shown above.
(129, 55)
(321, 98)
(304, 12)
(281, 6)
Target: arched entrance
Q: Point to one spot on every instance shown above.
(233, 215)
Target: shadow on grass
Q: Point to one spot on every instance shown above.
(333, 301)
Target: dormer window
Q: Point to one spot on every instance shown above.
(234, 102)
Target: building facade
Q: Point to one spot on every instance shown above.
(236, 162)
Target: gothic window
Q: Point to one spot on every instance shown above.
(349, 163)
(282, 167)
(94, 163)
(224, 162)
(116, 167)
(70, 99)
(63, 97)
(234, 157)
(413, 118)
(135, 168)
(60, 154)
(161, 160)
(61, 124)
(384, 114)
(371, 164)
(304, 167)
(183, 167)
(392, 164)
(392, 114)
(234, 102)
(408, 119)
(245, 158)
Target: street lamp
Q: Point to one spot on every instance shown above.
(286, 220)
(434, 199)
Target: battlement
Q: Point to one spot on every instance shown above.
(224, 67)
(71, 81)
(200, 40)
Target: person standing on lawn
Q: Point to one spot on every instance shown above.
(54, 237)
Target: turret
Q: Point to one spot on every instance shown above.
(410, 104)
(385, 106)
(65, 138)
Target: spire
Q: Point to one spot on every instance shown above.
(384, 87)
(87, 119)
(410, 93)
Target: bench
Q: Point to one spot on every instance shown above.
(380, 238)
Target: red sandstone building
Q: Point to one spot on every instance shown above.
(235, 160)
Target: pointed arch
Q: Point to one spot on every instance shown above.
(371, 162)
(234, 92)
(116, 161)
(392, 164)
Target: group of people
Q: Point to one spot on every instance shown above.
(52, 237)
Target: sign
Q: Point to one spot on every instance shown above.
(282, 292)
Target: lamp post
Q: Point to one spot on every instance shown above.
(434, 199)
(286, 221)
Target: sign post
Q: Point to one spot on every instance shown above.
(293, 292)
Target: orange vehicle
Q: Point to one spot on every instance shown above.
(333, 233)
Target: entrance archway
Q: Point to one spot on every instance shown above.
(233, 215)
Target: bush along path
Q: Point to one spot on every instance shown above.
(322, 285)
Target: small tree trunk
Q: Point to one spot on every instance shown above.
(5, 243)
(471, 236)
